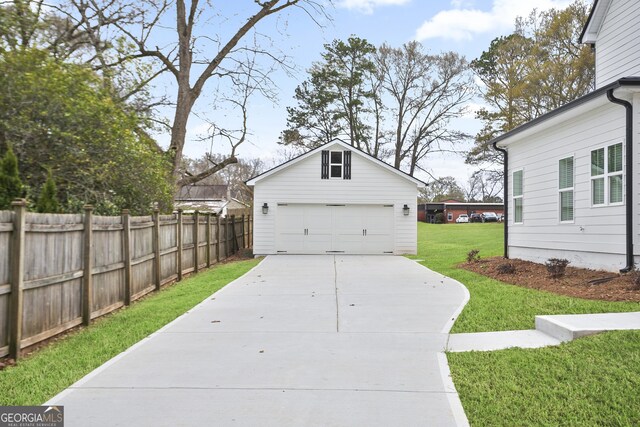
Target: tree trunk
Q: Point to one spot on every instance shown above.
(179, 128)
(398, 154)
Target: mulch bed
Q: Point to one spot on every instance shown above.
(577, 282)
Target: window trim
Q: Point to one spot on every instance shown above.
(341, 164)
(514, 197)
(567, 189)
(606, 175)
(602, 176)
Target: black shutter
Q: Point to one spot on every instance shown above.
(324, 169)
(347, 165)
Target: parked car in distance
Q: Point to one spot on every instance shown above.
(490, 217)
(462, 218)
(475, 217)
(500, 217)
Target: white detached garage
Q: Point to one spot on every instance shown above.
(335, 199)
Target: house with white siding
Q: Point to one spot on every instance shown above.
(572, 179)
(335, 199)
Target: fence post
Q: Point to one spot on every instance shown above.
(218, 236)
(17, 277)
(227, 236)
(208, 234)
(234, 242)
(87, 275)
(126, 226)
(179, 242)
(250, 226)
(156, 248)
(196, 243)
(244, 242)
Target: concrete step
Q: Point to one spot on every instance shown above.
(568, 327)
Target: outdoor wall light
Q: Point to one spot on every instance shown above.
(405, 210)
(265, 208)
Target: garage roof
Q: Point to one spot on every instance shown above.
(346, 146)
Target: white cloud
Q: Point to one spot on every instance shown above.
(367, 6)
(463, 23)
(460, 4)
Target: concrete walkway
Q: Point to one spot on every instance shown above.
(550, 330)
(298, 341)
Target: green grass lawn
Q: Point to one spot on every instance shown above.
(50, 370)
(593, 381)
(494, 305)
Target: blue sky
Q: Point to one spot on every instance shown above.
(463, 26)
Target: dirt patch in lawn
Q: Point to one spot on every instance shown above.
(577, 282)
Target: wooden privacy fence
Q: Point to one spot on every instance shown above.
(58, 271)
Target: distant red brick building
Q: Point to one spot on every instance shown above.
(452, 209)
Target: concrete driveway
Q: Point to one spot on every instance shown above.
(298, 341)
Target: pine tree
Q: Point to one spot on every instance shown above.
(10, 184)
(48, 200)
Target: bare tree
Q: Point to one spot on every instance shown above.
(234, 175)
(188, 53)
(428, 91)
(471, 189)
(443, 188)
(484, 186)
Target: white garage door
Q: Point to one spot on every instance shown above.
(319, 229)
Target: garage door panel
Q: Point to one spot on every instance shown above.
(316, 220)
(347, 219)
(348, 243)
(351, 229)
(377, 244)
(290, 226)
(378, 221)
(317, 243)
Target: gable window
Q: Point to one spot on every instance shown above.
(335, 164)
(606, 175)
(517, 196)
(565, 188)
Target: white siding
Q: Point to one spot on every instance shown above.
(369, 184)
(595, 230)
(618, 43)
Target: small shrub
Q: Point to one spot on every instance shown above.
(11, 186)
(556, 267)
(472, 255)
(440, 218)
(506, 268)
(48, 200)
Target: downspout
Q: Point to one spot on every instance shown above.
(629, 178)
(505, 198)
